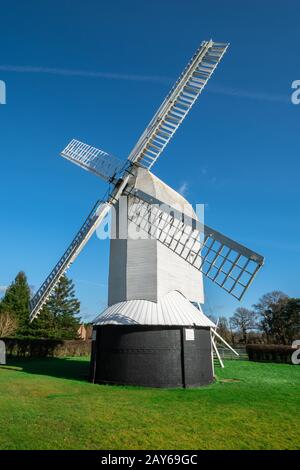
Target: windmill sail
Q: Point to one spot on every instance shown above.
(177, 104)
(95, 217)
(92, 159)
(93, 220)
(227, 263)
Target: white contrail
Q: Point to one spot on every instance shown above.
(83, 73)
(254, 95)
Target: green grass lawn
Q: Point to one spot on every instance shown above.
(48, 404)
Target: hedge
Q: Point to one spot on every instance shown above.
(26, 347)
(270, 353)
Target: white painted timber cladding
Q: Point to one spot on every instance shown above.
(146, 269)
(171, 309)
(142, 269)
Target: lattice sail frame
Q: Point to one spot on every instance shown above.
(94, 219)
(178, 103)
(91, 223)
(227, 263)
(92, 159)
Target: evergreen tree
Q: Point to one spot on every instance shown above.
(58, 318)
(42, 326)
(60, 313)
(16, 302)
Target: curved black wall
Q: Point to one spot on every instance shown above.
(151, 356)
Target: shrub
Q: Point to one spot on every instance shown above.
(270, 353)
(31, 347)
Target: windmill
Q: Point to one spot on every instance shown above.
(151, 333)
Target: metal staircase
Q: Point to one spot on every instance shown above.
(177, 103)
(94, 218)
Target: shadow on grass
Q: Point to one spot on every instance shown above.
(66, 368)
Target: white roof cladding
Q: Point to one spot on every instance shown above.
(151, 184)
(171, 310)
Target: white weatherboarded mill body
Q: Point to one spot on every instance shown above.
(145, 268)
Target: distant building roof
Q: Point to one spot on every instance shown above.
(171, 309)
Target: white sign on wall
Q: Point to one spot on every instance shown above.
(189, 334)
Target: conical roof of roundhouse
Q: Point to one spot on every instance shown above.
(171, 310)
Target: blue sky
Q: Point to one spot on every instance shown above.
(97, 71)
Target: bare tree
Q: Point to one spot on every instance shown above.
(224, 330)
(243, 320)
(279, 317)
(8, 324)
